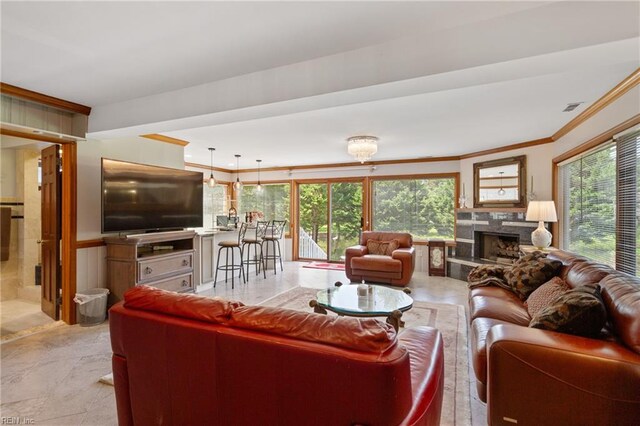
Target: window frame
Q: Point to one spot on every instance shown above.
(370, 197)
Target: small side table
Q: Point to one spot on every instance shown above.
(437, 258)
(530, 249)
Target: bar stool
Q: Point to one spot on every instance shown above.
(254, 238)
(230, 245)
(273, 235)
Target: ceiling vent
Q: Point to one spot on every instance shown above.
(570, 107)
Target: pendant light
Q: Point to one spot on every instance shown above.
(259, 187)
(237, 184)
(211, 182)
(501, 191)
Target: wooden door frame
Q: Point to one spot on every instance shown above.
(69, 218)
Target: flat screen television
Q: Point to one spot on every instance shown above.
(139, 197)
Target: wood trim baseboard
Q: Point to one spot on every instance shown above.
(90, 243)
(41, 98)
(620, 89)
(167, 139)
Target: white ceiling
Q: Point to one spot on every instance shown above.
(288, 82)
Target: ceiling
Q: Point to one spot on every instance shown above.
(288, 82)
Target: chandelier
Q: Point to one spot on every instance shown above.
(362, 147)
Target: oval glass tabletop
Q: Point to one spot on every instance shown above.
(378, 300)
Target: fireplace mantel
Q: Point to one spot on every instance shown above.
(493, 210)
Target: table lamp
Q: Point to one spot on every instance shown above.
(542, 211)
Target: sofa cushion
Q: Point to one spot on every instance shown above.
(360, 334)
(545, 294)
(191, 306)
(384, 248)
(579, 311)
(588, 272)
(497, 292)
(509, 310)
(374, 262)
(479, 329)
(530, 272)
(621, 296)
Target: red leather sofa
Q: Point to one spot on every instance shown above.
(183, 359)
(396, 269)
(539, 377)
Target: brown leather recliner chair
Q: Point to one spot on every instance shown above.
(395, 269)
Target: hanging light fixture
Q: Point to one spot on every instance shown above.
(362, 147)
(501, 191)
(211, 182)
(259, 187)
(237, 184)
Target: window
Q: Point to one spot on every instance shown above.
(422, 207)
(600, 203)
(272, 201)
(214, 202)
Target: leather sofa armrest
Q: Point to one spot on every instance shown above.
(404, 253)
(351, 252)
(544, 367)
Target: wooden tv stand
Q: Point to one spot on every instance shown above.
(162, 259)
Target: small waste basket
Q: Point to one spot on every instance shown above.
(92, 306)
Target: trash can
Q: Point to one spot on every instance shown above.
(92, 306)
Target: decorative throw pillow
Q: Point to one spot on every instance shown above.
(579, 311)
(488, 275)
(530, 272)
(384, 248)
(545, 294)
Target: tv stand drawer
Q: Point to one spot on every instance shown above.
(153, 268)
(180, 284)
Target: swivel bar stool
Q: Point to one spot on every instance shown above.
(273, 235)
(254, 237)
(230, 245)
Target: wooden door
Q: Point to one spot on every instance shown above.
(51, 231)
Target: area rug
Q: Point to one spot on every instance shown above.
(325, 265)
(449, 319)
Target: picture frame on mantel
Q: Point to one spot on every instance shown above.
(500, 183)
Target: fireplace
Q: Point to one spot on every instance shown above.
(496, 246)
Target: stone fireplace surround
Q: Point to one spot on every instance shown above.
(472, 223)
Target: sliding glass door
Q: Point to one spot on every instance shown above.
(330, 218)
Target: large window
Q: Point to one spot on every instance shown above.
(423, 207)
(215, 203)
(272, 201)
(600, 203)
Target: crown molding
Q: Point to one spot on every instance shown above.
(167, 139)
(32, 96)
(525, 144)
(620, 89)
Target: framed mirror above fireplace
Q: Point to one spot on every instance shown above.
(500, 183)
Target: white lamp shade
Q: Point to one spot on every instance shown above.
(544, 211)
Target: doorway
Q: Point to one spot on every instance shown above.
(330, 218)
(20, 271)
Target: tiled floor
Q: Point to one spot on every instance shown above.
(51, 376)
(20, 314)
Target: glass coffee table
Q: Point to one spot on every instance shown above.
(364, 300)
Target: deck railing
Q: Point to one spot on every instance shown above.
(308, 248)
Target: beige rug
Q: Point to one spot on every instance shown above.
(449, 319)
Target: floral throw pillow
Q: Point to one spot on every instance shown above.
(545, 294)
(530, 272)
(384, 248)
(579, 311)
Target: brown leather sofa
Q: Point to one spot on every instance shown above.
(395, 269)
(184, 359)
(539, 377)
